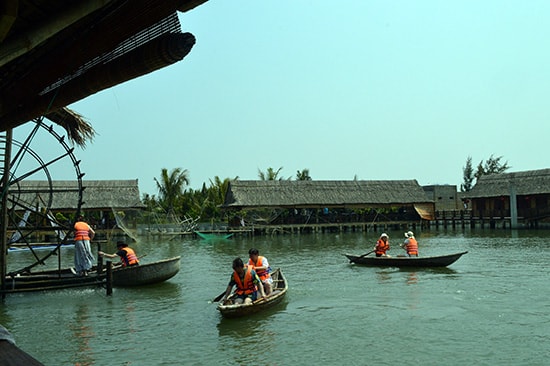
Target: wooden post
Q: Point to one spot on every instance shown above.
(513, 206)
(4, 210)
(109, 278)
(99, 260)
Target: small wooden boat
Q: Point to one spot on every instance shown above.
(143, 274)
(280, 287)
(434, 261)
(50, 280)
(146, 274)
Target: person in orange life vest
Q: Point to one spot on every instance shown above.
(261, 266)
(83, 257)
(247, 282)
(410, 244)
(382, 245)
(127, 255)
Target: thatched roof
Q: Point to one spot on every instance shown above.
(525, 183)
(56, 52)
(97, 194)
(314, 193)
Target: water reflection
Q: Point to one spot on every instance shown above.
(383, 277)
(412, 279)
(243, 338)
(248, 326)
(82, 333)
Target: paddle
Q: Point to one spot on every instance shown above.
(364, 255)
(219, 297)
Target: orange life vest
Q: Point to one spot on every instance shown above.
(262, 273)
(412, 247)
(247, 287)
(382, 246)
(130, 258)
(81, 231)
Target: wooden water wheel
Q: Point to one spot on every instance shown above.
(41, 188)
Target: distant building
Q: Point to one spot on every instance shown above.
(445, 197)
(99, 198)
(313, 202)
(492, 196)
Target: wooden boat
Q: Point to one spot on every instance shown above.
(50, 280)
(280, 287)
(144, 274)
(402, 261)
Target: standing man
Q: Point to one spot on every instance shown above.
(261, 266)
(410, 244)
(83, 257)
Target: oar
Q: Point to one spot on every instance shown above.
(219, 297)
(364, 255)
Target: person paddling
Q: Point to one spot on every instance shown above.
(382, 245)
(247, 281)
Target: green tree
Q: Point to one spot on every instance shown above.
(270, 174)
(468, 173)
(491, 166)
(303, 175)
(171, 186)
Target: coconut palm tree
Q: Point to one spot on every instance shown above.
(171, 186)
(303, 175)
(270, 174)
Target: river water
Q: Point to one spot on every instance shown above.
(491, 307)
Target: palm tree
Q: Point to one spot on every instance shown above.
(171, 186)
(270, 174)
(215, 196)
(303, 175)
(219, 188)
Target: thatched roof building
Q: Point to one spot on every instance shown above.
(56, 52)
(319, 194)
(493, 195)
(530, 182)
(97, 194)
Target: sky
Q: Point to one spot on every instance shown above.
(372, 90)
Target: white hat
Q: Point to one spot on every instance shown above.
(409, 234)
(384, 234)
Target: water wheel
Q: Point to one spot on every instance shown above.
(39, 209)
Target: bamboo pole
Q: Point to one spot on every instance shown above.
(4, 210)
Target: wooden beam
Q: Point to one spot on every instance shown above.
(187, 5)
(8, 14)
(26, 42)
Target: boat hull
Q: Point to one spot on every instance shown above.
(280, 287)
(50, 280)
(146, 274)
(434, 261)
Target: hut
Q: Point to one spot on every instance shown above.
(107, 204)
(285, 202)
(515, 197)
